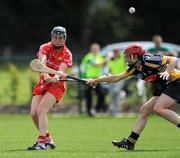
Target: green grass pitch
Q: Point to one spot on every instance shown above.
(83, 137)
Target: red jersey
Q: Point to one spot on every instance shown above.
(54, 59)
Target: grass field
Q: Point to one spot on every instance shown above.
(83, 137)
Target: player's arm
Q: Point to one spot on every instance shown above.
(66, 62)
(43, 59)
(110, 78)
(62, 68)
(171, 64)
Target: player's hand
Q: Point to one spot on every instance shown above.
(62, 78)
(164, 75)
(62, 74)
(47, 78)
(50, 79)
(55, 79)
(92, 82)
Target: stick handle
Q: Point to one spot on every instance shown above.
(76, 78)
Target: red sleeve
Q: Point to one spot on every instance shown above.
(43, 50)
(67, 58)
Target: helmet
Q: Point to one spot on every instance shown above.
(134, 49)
(59, 30)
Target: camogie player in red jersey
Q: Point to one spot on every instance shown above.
(157, 69)
(48, 91)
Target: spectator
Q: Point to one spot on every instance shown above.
(158, 48)
(116, 65)
(91, 67)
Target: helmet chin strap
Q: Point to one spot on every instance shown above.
(133, 58)
(131, 66)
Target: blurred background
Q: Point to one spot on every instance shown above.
(25, 25)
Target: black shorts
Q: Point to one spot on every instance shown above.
(173, 90)
(158, 87)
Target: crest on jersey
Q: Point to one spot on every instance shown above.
(59, 59)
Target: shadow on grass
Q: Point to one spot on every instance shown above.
(57, 151)
(148, 150)
(22, 150)
(14, 150)
(100, 151)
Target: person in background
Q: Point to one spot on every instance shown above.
(91, 67)
(116, 65)
(159, 48)
(48, 91)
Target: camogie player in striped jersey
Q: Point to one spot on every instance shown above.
(154, 68)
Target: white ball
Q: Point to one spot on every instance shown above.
(132, 10)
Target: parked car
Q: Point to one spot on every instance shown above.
(146, 44)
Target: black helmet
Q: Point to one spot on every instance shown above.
(59, 30)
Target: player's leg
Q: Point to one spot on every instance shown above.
(46, 103)
(162, 109)
(168, 98)
(57, 91)
(34, 104)
(144, 112)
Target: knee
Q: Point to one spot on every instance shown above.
(144, 112)
(40, 110)
(157, 110)
(33, 114)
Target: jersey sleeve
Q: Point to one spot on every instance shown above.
(130, 71)
(155, 60)
(43, 49)
(164, 60)
(67, 59)
(127, 74)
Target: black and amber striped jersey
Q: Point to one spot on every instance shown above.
(149, 66)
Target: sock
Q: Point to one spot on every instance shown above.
(133, 137)
(48, 137)
(41, 139)
(178, 125)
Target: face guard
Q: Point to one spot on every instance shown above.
(133, 53)
(58, 37)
